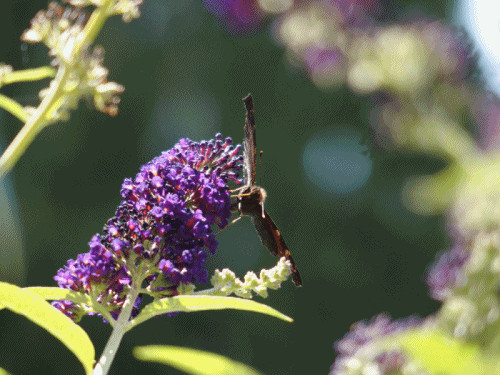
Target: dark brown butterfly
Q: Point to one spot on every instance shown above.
(250, 198)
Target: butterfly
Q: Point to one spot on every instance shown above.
(250, 198)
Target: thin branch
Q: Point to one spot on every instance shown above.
(26, 75)
(13, 107)
(41, 117)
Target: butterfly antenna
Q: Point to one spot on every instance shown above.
(260, 178)
(260, 166)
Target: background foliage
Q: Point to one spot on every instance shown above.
(359, 253)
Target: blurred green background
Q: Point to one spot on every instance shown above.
(334, 195)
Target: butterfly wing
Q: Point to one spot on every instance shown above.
(249, 144)
(272, 239)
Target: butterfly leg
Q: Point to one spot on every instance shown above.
(241, 195)
(238, 189)
(228, 225)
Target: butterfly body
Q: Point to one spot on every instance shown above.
(250, 198)
(250, 201)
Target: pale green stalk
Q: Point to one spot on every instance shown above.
(26, 75)
(119, 329)
(38, 120)
(13, 107)
(450, 138)
(34, 124)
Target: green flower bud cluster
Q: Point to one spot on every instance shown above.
(225, 282)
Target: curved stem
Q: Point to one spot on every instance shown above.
(34, 124)
(41, 117)
(13, 107)
(119, 329)
(435, 132)
(26, 75)
(93, 26)
(449, 139)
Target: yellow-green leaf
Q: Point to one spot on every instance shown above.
(40, 312)
(431, 195)
(192, 361)
(441, 354)
(192, 303)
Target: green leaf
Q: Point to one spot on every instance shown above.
(40, 312)
(192, 361)
(192, 303)
(54, 293)
(431, 195)
(441, 354)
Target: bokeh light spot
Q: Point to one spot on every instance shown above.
(336, 162)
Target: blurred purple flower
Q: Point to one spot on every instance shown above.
(364, 333)
(445, 272)
(359, 13)
(451, 49)
(164, 224)
(486, 111)
(325, 64)
(236, 16)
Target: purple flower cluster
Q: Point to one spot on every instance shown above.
(241, 16)
(163, 225)
(96, 271)
(362, 334)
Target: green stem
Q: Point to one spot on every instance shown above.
(93, 26)
(34, 124)
(41, 117)
(447, 138)
(119, 330)
(98, 308)
(436, 132)
(10, 105)
(28, 75)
